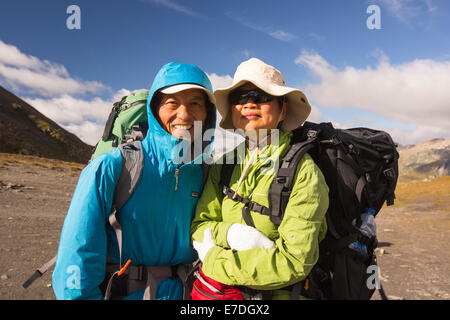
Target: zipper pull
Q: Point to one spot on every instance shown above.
(177, 171)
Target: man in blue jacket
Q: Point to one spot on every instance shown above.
(156, 219)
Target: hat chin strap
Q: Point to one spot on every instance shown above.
(283, 105)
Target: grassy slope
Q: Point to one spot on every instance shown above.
(435, 192)
(6, 158)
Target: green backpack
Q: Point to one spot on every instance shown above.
(127, 121)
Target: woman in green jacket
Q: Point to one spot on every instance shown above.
(263, 256)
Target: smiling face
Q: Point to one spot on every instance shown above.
(178, 111)
(255, 116)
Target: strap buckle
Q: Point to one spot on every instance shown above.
(224, 190)
(389, 173)
(281, 180)
(136, 273)
(255, 207)
(335, 140)
(311, 134)
(245, 201)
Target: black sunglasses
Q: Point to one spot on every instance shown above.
(258, 96)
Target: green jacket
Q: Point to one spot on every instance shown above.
(297, 238)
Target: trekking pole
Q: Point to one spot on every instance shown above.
(39, 272)
(382, 293)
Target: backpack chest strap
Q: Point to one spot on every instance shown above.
(248, 205)
(252, 205)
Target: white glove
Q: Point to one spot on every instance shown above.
(203, 247)
(241, 237)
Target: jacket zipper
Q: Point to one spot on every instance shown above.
(177, 171)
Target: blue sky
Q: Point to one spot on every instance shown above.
(395, 78)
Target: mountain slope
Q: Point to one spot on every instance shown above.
(429, 159)
(25, 130)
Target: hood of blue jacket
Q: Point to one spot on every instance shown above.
(168, 147)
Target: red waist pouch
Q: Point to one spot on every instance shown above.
(206, 288)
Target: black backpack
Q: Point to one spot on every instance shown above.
(360, 166)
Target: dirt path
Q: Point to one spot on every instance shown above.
(415, 263)
(35, 195)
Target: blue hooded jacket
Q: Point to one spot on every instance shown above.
(156, 219)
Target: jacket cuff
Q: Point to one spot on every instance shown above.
(222, 231)
(210, 258)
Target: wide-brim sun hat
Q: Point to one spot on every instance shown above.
(270, 80)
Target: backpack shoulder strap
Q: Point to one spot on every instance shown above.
(205, 172)
(111, 118)
(132, 165)
(225, 174)
(226, 171)
(281, 187)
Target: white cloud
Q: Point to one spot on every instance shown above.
(88, 132)
(70, 109)
(84, 118)
(57, 92)
(414, 92)
(317, 37)
(280, 34)
(273, 32)
(10, 55)
(220, 81)
(409, 11)
(410, 135)
(43, 77)
(246, 53)
(47, 83)
(174, 6)
(315, 115)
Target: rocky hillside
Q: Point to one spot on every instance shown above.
(426, 160)
(24, 130)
